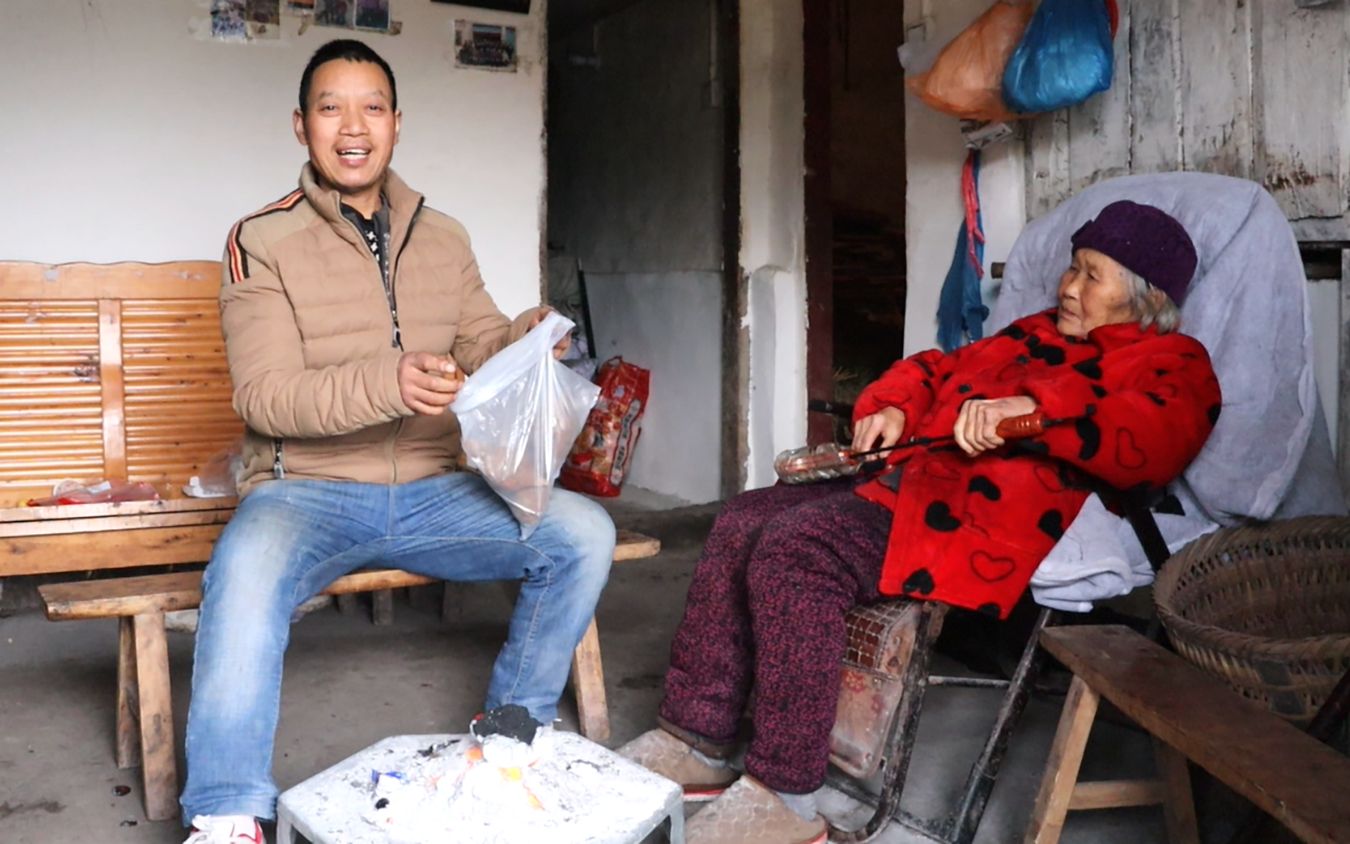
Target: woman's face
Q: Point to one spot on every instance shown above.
(1093, 292)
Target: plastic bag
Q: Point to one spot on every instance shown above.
(97, 492)
(1065, 57)
(602, 454)
(519, 413)
(217, 476)
(966, 79)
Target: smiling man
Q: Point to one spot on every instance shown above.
(351, 313)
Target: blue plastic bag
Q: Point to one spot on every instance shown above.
(1065, 57)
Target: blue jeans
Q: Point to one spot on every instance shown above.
(290, 539)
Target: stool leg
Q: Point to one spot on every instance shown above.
(159, 768)
(128, 750)
(382, 607)
(1061, 768)
(1178, 804)
(676, 834)
(588, 685)
(285, 832)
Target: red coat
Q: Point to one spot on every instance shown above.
(970, 531)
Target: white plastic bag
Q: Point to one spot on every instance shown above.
(519, 414)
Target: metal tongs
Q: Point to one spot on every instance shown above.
(831, 460)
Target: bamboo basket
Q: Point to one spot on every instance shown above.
(1266, 609)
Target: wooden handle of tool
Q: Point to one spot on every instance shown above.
(1021, 427)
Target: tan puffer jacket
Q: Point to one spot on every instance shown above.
(310, 336)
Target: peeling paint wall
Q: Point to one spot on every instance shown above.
(772, 220)
(935, 153)
(128, 138)
(635, 194)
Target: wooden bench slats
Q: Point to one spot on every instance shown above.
(1296, 779)
(19, 520)
(157, 593)
(174, 280)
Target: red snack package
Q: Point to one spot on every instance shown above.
(600, 457)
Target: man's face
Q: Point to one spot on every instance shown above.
(350, 128)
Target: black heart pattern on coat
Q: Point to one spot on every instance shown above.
(1091, 437)
(1051, 524)
(939, 517)
(918, 583)
(981, 485)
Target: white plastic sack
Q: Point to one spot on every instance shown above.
(519, 414)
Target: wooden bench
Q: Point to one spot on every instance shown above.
(145, 734)
(1299, 781)
(118, 371)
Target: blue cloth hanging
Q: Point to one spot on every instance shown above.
(1065, 57)
(961, 309)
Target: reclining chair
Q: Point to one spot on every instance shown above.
(1248, 306)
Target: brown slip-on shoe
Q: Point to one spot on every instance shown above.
(750, 813)
(662, 753)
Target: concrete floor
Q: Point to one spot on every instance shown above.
(349, 683)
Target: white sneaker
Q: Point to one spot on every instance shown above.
(225, 829)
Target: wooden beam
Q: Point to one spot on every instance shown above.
(129, 280)
(110, 381)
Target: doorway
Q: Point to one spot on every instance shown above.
(855, 202)
(643, 219)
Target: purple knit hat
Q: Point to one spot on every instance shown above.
(1145, 240)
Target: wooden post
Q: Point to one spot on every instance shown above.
(128, 750)
(159, 771)
(1061, 768)
(588, 685)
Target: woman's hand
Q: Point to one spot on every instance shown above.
(879, 430)
(562, 345)
(976, 424)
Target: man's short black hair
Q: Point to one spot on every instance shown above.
(347, 50)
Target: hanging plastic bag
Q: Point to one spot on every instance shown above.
(519, 414)
(966, 79)
(600, 459)
(1065, 57)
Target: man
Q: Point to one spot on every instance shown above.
(351, 313)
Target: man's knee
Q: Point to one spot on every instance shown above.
(584, 531)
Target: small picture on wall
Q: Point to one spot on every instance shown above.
(333, 13)
(372, 14)
(300, 7)
(227, 20)
(522, 6)
(264, 18)
(485, 46)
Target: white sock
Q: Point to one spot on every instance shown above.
(803, 804)
(708, 760)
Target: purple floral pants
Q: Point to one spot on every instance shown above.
(780, 570)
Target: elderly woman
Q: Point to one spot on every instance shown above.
(965, 524)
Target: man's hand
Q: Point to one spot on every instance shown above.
(428, 383)
(976, 423)
(564, 344)
(879, 430)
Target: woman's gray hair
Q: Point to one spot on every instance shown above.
(1153, 305)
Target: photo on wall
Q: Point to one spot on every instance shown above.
(521, 6)
(333, 13)
(373, 15)
(485, 46)
(227, 20)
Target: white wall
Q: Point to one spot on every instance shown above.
(772, 228)
(635, 194)
(935, 152)
(125, 137)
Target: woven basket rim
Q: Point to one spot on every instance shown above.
(1238, 643)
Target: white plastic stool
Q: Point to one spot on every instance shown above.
(629, 802)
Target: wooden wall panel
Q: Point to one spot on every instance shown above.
(1215, 122)
(1154, 66)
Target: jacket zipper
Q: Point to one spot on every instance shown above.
(278, 469)
(392, 297)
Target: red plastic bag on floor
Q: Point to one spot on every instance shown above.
(600, 457)
(966, 78)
